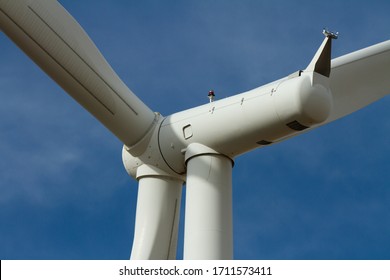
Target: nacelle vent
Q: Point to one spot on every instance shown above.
(296, 125)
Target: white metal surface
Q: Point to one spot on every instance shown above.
(208, 231)
(157, 215)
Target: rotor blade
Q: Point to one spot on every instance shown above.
(47, 33)
(359, 78)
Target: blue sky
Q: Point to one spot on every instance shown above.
(64, 193)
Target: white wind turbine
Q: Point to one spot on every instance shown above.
(196, 146)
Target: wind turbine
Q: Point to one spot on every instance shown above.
(196, 146)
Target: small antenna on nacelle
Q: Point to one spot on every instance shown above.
(211, 95)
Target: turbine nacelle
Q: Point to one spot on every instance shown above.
(256, 118)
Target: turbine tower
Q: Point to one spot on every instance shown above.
(196, 146)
